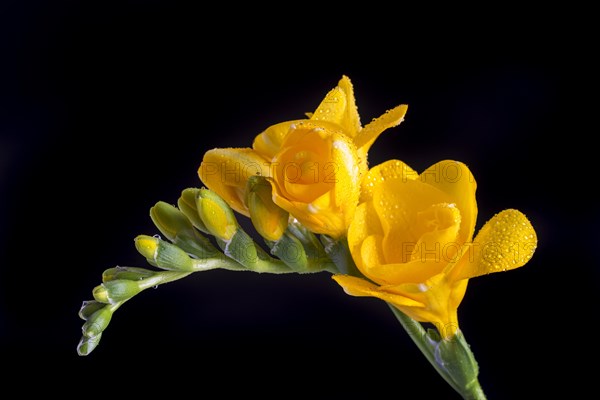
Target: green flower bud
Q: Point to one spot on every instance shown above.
(170, 221)
(118, 290)
(187, 205)
(216, 214)
(147, 246)
(130, 273)
(164, 254)
(88, 308)
(176, 227)
(97, 322)
(88, 344)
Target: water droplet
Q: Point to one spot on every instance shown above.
(155, 287)
(157, 236)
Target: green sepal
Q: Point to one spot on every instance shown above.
(97, 322)
(289, 249)
(112, 292)
(88, 308)
(454, 356)
(129, 273)
(88, 344)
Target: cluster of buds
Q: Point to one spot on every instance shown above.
(202, 233)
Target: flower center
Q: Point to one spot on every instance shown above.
(303, 168)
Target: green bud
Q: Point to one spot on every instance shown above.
(88, 308)
(88, 344)
(176, 226)
(216, 214)
(268, 218)
(164, 254)
(147, 246)
(97, 322)
(170, 221)
(130, 273)
(187, 205)
(115, 291)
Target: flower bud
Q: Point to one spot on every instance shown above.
(187, 205)
(216, 215)
(118, 290)
(88, 344)
(130, 273)
(170, 221)
(147, 246)
(163, 254)
(97, 322)
(88, 308)
(268, 218)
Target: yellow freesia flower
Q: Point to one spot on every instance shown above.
(314, 165)
(412, 238)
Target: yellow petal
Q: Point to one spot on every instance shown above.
(359, 287)
(398, 202)
(299, 168)
(339, 107)
(455, 179)
(415, 271)
(438, 228)
(326, 220)
(370, 132)
(457, 293)
(440, 298)
(226, 171)
(371, 254)
(269, 142)
(377, 174)
(351, 123)
(304, 192)
(365, 223)
(344, 173)
(507, 241)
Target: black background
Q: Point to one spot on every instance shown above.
(107, 108)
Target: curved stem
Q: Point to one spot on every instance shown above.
(453, 362)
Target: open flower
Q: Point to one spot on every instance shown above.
(314, 165)
(411, 238)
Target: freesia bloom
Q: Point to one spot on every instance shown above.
(412, 239)
(314, 165)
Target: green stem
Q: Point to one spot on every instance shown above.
(454, 361)
(475, 392)
(162, 277)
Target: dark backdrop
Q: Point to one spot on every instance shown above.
(108, 107)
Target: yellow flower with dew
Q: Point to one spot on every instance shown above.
(412, 239)
(314, 165)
